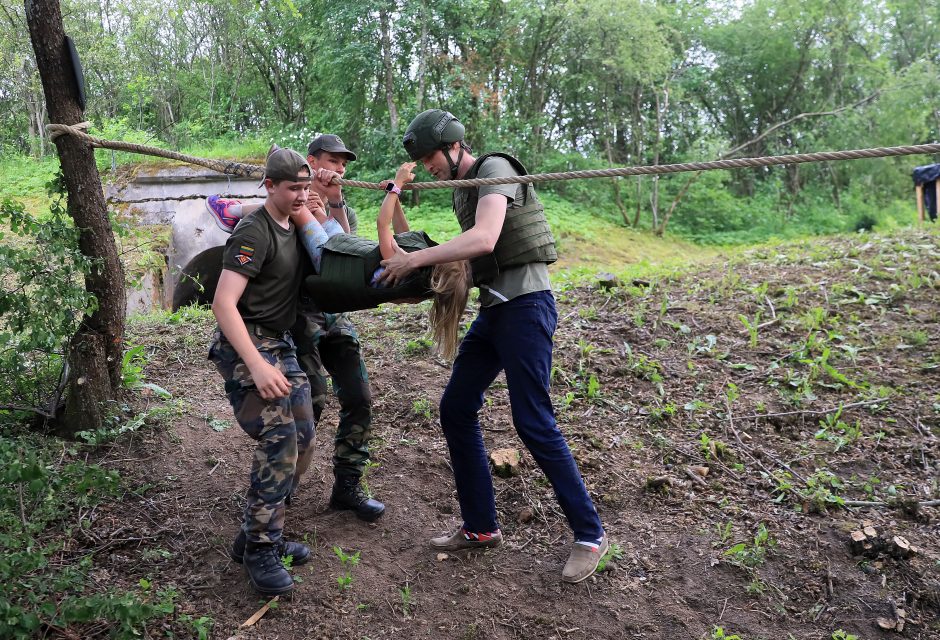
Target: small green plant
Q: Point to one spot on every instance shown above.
(132, 366)
(751, 326)
(348, 561)
(585, 349)
(418, 346)
(821, 491)
(364, 481)
(814, 319)
(783, 484)
(593, 387)
(406, 599)
(711, 448)
(756, 587)
(201, 626)
(614, 552)
(751, 554)
(724, 532)
(869, 486)
(421, 407)
(718, 633)
(704, 345)
(839, 634)
(587, 313)
(732, 393)
(834, 430)
(217, 424)
(660, 415)
(640, 366)
(915, 339)
(568, 399)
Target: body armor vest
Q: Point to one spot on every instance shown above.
(346, 269)
(525, 236)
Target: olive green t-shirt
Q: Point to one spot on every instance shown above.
(270, 256)
(515, 281)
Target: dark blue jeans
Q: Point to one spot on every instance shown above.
(514, 336)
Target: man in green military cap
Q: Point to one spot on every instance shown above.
(330, 341)
(509, 244)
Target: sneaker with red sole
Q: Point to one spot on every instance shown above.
(583, 560)
(463, 539)
(218, 207)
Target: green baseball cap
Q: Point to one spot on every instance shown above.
(284, 164)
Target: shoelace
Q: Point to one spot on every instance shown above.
(356, 489)
(270, 560)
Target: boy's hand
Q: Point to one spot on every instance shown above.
(315, 206)
(269, 380)
(325, 177)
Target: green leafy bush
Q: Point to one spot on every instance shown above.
(42, 296)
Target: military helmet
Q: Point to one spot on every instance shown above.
(430, 130)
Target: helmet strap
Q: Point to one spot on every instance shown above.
(454, 166)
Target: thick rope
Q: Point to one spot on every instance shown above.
(254, 171)
(228, 168)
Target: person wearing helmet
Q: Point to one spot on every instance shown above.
(506, 238)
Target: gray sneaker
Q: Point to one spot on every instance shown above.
(463, 539)
(583, 561)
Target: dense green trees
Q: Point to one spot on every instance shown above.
(561, 82)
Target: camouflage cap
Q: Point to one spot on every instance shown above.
(284, 164)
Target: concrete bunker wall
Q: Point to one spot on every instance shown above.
(176, 197)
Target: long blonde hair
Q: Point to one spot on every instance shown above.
(450, 283)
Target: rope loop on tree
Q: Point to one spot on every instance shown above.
(254, 171)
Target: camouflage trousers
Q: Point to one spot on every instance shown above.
(283, 429)
(327, 341)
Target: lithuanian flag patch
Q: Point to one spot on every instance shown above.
(245, 255)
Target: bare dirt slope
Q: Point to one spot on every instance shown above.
(703, 409)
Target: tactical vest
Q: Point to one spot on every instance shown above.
(525, 236)
(346, 269)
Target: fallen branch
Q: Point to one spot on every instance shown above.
(747, 451)
(880, 503)
(823, 412)
(260, 612)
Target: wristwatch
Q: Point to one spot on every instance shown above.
(391, 187)
(337, 205)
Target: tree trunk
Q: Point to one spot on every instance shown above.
(422, 60)
(608, 134)
(389, 71)
(95, 356)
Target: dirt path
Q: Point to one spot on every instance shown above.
(678, 378)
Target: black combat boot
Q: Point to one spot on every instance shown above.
(265, 571)
(349, 495)
(299, 553)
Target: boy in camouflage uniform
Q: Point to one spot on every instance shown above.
(328, 341)
(256, 305)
